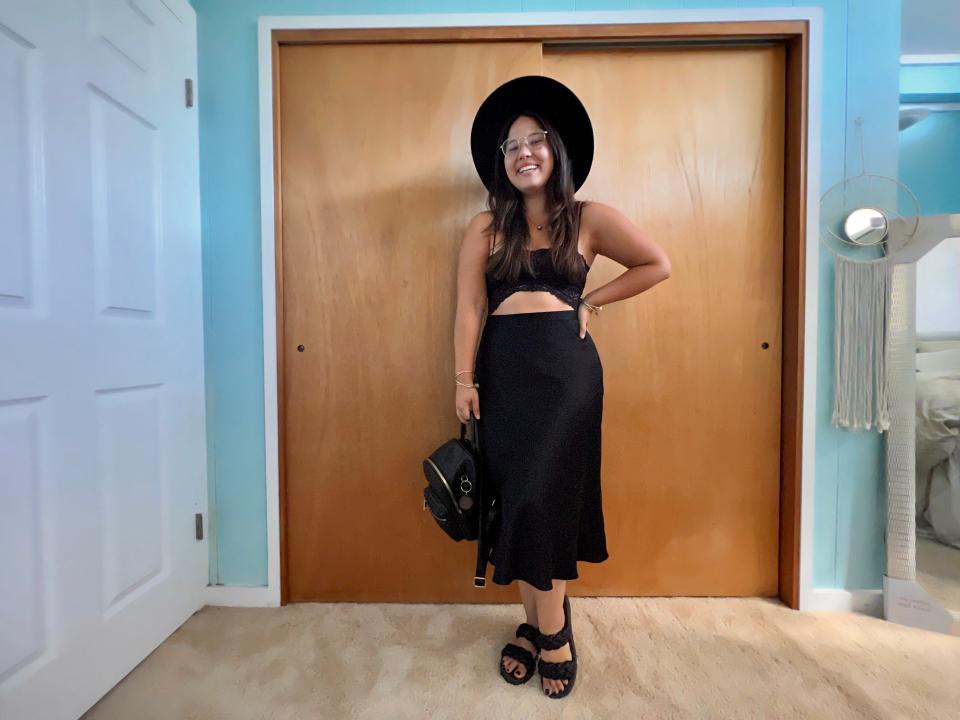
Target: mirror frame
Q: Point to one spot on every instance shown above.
(904, 600)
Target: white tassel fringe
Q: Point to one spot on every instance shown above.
(860, 386)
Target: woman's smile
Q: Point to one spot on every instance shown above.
(528, 157)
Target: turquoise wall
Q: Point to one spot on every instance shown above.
(930, 83)
(930, 150)
(860, 78)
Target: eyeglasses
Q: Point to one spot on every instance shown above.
(511, 146)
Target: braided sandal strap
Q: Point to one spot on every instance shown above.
(555, 641)
(528, 632)
(566, 670)
(520, 654)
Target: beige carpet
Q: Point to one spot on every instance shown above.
(640, 658)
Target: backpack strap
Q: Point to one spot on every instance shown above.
(483, 552)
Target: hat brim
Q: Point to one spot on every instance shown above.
(545, 96)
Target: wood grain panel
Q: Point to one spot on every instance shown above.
(377, 187)
(690, 146)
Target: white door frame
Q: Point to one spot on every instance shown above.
(270, 595)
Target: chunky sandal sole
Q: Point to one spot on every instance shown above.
(565, 670)
(523, 656)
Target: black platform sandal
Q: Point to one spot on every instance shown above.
(521, 655)
(566, 670)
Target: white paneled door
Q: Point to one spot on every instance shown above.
(102, 450)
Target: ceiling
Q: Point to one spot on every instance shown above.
(930, 27)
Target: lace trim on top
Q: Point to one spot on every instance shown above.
(548, 280)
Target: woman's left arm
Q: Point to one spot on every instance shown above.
(613, 235)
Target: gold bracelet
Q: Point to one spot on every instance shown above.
(462, 372)
(467, 386)
(595, 309)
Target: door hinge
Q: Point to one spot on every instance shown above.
(198, 520)
(188, 91)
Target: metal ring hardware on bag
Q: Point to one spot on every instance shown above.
(465, 501)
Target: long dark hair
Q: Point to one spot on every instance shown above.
(506, 204)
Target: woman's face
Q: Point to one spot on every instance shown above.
(528, 163)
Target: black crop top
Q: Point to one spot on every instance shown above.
(545, 278)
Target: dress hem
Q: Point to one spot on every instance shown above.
(539, 585)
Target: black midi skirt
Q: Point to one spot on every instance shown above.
(541, 404)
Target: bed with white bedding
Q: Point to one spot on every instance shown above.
(938, 441)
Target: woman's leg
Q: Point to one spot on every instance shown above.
(527, 595)
(550, 613)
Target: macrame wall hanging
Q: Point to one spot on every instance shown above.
(860, 391)
(864, 220)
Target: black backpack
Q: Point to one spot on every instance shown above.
(455, 495)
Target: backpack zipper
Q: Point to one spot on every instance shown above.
(446, 485)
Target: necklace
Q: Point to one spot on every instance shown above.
(539, 227)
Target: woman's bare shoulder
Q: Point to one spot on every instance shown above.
(481, 221)
(476, 240)
(597, 219)
(597, 213)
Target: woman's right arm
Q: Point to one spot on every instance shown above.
(471, 305)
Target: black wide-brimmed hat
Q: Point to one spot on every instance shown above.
(550, 99)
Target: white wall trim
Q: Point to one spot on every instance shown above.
(942, 59)
(266, 25)
(811, 309)
(865, 602)
(237, 596)
(269, 304)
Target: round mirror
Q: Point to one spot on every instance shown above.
(866, 226)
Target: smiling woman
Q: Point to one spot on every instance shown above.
(525, 262)
(529, 145)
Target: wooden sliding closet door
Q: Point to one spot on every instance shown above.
(690, 145)
(376, 187)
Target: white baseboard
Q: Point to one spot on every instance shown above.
(865, 602)
(234, 596)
